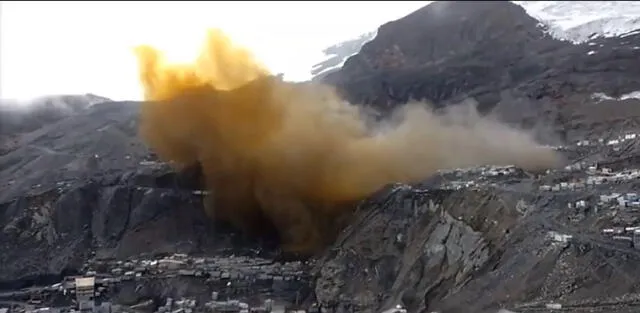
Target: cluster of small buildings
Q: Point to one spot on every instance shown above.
(235, 268)
(630, 199)
(628, 234)
(490, 170)
(580, 176)
(626, 200)
(482, 173)
(493, 171)
(84, 288)
(595, 176)
(214, 305)
(230, 276)
(459, 184)
(610, 142)
(558, 237)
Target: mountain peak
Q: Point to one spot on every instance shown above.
(444, 30)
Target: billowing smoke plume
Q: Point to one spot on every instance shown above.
(294, 154)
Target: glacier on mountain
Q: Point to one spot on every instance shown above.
(580, 21)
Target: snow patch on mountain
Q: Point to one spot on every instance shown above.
(580, 21)
(337, 54)
(601, 96)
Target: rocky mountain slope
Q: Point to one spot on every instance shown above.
(575, 21)
(80, 193)
(16, 117)
(493, 52)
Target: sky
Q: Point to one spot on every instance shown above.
(68, 47)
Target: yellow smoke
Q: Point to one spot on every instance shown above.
(294, 155)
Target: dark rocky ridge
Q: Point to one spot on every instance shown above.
(17, 117)
(24, 117)
(448, 51)
(84, 187)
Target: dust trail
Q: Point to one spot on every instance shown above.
(294, 154)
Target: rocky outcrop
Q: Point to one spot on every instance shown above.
(482, 250)
(426, 242)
